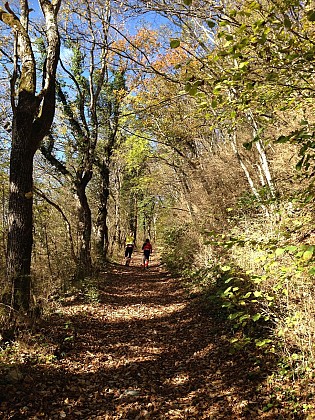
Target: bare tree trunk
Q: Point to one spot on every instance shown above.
(84, 265)
(186, 194)
(3, 235)
(110, 122)
(48, 251)
(263, 161)
(32, 118)
(246, 172)
(102, 239)
(264, 165)
(116, 237)
(20, 235)
(243, 166)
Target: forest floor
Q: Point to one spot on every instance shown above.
(138, 349)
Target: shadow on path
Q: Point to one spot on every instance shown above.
(142, 351)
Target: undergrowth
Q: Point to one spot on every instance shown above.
(260, 277)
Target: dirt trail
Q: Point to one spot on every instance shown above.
(142, 350)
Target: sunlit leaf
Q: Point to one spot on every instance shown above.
(279, 251)
(243, 64)
(291, 248)
(308, 254)
(256, 317)
(311, 271)
(175, 43)
(262, 343)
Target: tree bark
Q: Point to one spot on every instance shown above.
(110, 121)
(246, 172)
(263, 160)
(102, 239)
(32, 118)
(20, 235)
(84, 266)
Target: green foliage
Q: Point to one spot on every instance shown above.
(275, 294)
(303, 137)
(77, 61)
(191, 87)
(262, 296)
(136, 152)
(244, 304)
(38, 351)
(237, 297)
(137, 194)
(90, 291)
(41, 47)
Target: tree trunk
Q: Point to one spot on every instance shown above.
(264, 164)
(102, 239)
(20, 235)
(246, 172)
(133, 216)
(84, 266)
(185, 193)
(32, 118)
(117, 236)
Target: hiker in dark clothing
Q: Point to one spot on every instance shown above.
(147, 251)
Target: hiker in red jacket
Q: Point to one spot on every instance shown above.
(147, 251)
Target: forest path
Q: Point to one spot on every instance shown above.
(141, 350)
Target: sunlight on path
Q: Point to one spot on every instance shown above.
(155, 354)
(140, 350)
(139, 311)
